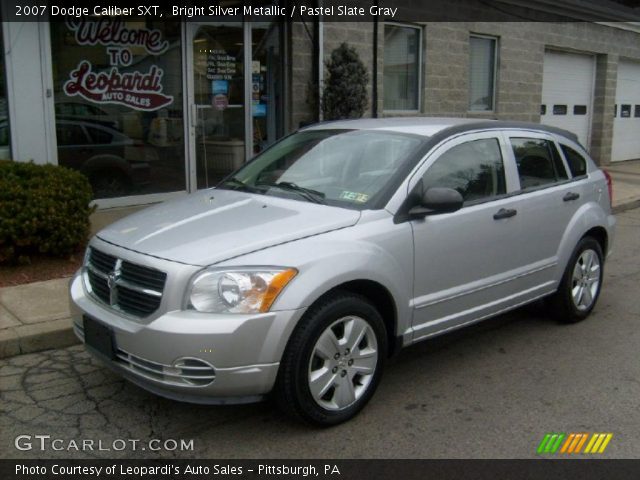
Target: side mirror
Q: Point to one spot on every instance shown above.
(437, 200)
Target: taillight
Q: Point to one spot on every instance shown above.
(609, 185)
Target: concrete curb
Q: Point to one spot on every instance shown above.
(37, 337)
(59, 333)
(623, 207)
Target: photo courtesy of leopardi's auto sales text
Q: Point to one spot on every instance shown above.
(339, 239)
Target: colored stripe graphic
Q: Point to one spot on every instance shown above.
(598, 443)
(573, 443)
(550, 442)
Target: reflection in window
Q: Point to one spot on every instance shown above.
(401, 67)
(482, 73)
(118, 104)
(577, 163)
(559, 109)
(625, 111)
(538, 162)
(266, 84)
(475, 169)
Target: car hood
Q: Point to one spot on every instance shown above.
(214, 225)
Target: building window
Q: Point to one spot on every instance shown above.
(402, 53)
(118, 104)
(482, 73)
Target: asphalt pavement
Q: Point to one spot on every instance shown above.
(489, 391)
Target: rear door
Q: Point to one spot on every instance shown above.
(546, 201)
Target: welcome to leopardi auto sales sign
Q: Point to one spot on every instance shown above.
(140, 90)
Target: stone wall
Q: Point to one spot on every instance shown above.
(445, 68)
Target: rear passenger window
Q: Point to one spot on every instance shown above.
(577, 163)
(475, 169)
(538, 162)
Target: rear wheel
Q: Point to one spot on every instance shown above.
(581, 283)
(334, 360)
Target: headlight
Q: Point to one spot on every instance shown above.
(237, 291)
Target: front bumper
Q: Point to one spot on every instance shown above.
(235, 357)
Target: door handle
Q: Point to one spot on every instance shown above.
(504, 213)
(571, 196)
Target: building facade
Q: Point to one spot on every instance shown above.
(152, 109)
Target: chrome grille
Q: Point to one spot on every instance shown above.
(125, 286)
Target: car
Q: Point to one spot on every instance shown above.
(85, 112)
(113, 162)
(302, 272)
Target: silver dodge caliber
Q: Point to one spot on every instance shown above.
(304, 270)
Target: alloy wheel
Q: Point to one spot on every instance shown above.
(586, 279)
(343, 363)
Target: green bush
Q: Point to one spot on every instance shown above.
(43, 209)
(345, 91)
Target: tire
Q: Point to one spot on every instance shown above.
(579, 288)
(321, 379)
(109, 184)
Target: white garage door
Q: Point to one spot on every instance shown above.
(626, 124)
(567, 92)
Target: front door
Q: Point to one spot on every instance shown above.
(234, 82)
(466, 261)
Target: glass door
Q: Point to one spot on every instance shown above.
(234, 84)
(217, 101)
(267, 72)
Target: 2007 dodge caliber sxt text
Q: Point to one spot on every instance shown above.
(305, 269)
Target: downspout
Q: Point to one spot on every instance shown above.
(320, 65)
(374, 86)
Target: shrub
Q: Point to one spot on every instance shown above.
(345, 92)
(43, 209)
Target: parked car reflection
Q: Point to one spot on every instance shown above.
(82, 111)
(114, 163)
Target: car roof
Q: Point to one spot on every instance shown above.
(431, 126)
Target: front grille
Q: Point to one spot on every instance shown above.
(125, 286)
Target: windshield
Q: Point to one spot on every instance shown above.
(347, 168)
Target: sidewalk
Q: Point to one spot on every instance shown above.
(35, 316)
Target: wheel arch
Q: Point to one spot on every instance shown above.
(601, 236)
(382, 300)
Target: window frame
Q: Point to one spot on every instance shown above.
(496, 60)
(420, 49)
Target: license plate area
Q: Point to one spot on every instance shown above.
(99, 337)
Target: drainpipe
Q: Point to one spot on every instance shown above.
(320, 65)
(374, 86)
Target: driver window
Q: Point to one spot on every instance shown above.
(475, 169)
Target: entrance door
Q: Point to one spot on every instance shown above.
(234, 80)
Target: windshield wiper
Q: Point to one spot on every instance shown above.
(314, 196)
(237, 184)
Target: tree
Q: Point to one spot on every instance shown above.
(345, 92)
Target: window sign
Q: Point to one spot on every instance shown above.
(118, 103)
(137, 89)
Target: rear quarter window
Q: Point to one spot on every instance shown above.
(577, 163)
(538, 162)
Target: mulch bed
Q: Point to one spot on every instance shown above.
(40, 268)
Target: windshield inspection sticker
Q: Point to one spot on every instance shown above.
(354, 196)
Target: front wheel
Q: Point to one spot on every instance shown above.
(334, 360)
(581, 283)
